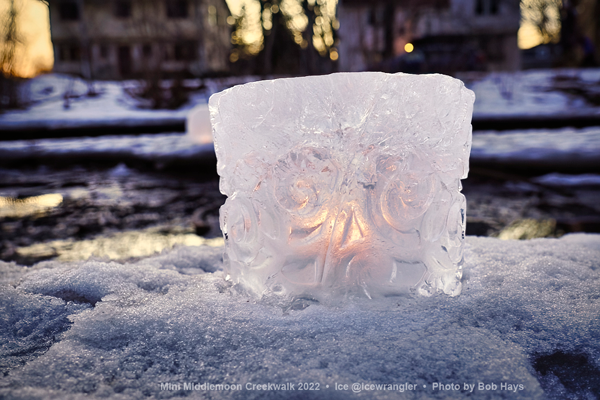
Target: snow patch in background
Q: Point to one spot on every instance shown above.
(529, 314)
(531, 92)
(556, 179)
(549, 145)
(557, 146)
(509, 94)
(118, 246)
(151, 147)
(112, 106)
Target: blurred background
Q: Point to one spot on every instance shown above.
(105, 146)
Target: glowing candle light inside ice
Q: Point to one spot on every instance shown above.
(347, 183)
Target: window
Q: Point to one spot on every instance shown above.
(376, 16)
(479, 7)
(177, 8)
(68, 11)
(122, 9)
(493, 7)
(185, 52)
(103, 52)
(167, 52)
(147, 51)
(61, 53)
(124, 57)
(492, 48)
(75, 53)
(68, 52)
(486, 7)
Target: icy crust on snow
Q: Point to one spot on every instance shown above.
(110, 107)
(100, 330)
(563, 147)
(161, 149)
(566, 146)
(345, 183)
(534, 93)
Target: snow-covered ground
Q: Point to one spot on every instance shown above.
(111, 107)
(524, 93)
(527, 326)
(560, 146)
(543, 93)
(556, 147)
(159, 148)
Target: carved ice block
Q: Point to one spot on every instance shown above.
(344, 184)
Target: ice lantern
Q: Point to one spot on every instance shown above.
(344, 184)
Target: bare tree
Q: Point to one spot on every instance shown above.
(306, 25)
(10, 39)
(545, 15)
(9, 96)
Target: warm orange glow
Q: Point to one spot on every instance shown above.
(349, 228)
(356, 228)
(409, 47)
(251, 30)
(18, 208)
(34, 53)
(529, 36)
(120, 246)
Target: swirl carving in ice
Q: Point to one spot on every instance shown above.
(344, 184)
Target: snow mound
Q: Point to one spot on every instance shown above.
(528, 322)
(541, 93)
(556, 179)
(552, 146)
(159, 148)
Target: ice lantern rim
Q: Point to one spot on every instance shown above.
(339, 88)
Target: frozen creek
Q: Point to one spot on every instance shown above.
(529, 315)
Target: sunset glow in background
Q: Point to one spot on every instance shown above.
(34, 54)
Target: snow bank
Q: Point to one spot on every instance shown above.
(575, 147)
(160, 149)
(500, 94)
(556, 179)
(553, 146)
(111, 107)
(531, 93)
(529, 317)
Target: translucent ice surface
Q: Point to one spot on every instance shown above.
(344, 184)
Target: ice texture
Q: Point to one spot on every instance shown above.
(344, 184)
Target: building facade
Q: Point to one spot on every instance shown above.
(444, 35)
(120, 39)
